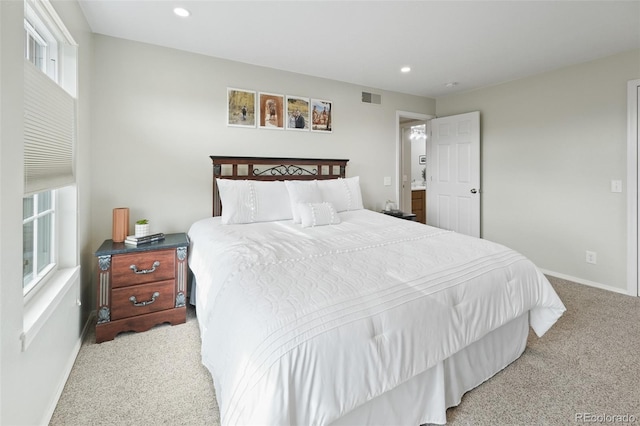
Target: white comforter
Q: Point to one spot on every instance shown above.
(302, 325)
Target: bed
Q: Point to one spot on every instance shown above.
(313, 310)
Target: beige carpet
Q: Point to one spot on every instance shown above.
(149, 378)
(588, 364)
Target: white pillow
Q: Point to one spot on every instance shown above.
(317, 214)
(248, 201)
(344, 194)
(302, 192)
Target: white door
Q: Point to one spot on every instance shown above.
(453, 169)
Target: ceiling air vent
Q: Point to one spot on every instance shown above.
(371, 98)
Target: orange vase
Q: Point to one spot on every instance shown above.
(120, 224)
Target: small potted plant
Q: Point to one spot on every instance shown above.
(142, 228)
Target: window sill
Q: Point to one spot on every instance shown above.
(39, 308)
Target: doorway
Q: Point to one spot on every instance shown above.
(452, 196)
(405, 159)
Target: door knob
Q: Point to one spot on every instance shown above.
(473, 191)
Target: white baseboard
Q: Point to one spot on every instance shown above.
(585, 282)
(67, 371)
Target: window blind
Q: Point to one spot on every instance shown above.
(49, 132)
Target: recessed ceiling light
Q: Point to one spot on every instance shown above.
(181, 12)
(405, 69)
(451, 84)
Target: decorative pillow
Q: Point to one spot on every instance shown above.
(248, 201)
(344, 194)
(302, 192)
(317, 214)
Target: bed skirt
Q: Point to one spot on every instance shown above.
(426, 397)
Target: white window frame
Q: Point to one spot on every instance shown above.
(35, 16)
(31, 32)
(51, 268)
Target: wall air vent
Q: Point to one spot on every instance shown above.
(371, 98)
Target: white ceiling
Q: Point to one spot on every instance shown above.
(473, 43)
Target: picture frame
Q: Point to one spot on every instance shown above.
(241, 107)
(271, 110)
(297, 113)
(422, 159)
(321, 120)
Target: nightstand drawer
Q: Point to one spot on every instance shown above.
(143, 267)
(151, 297)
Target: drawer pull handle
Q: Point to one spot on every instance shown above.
(133, 300)
(134, 268)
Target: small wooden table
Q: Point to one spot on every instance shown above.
(141, 286)
(400, 214)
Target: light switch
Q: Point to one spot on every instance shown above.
(387, 181)
(616, 186)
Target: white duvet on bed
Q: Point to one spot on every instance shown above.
(303, 325)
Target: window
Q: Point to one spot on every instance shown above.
(38, 210)
(42, 42)
(38, 252)
(35, 48)
(50, 126)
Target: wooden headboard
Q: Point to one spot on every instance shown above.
(268, 168)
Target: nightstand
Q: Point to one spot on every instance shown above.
(139, 287)
(400, 214)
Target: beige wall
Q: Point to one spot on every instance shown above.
(159, 113)
(551, 144)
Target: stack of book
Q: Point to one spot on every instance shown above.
(136, 241)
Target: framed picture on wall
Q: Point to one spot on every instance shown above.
(297, 113)
(320, 116)
(241, 108)
(271, 109)
(422, 159)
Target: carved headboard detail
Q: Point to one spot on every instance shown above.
(268, 168)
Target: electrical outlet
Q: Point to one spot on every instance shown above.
(591, 257)
(616, 185)
(387, 181)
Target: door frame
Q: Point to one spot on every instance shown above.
(399, 146)
(633, 159)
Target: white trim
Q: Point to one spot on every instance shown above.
(39, 308)
(61, 48)
(583, 281)
(633, 139)
(46, 11)
(412, 115)
(46, 419)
